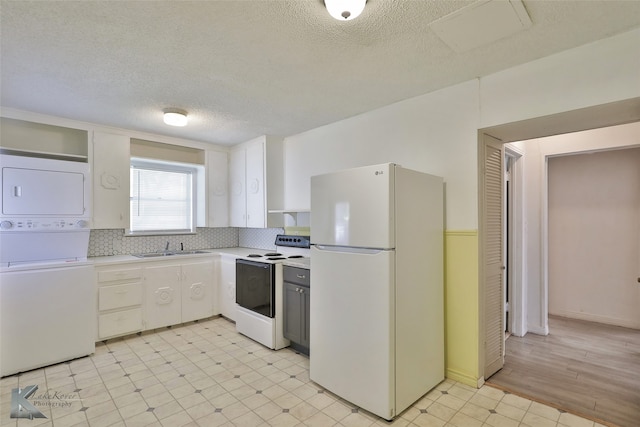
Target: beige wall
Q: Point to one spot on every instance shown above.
(594, 236)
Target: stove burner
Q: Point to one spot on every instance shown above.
(254, 256)
(275, 258)
(295, 256)
(272, 254)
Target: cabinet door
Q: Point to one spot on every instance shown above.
(217, 194)
(237, 186)
(227, 289)
(111, 159)
(162, 306)
(256, 207)
(293, 312)
(197, 290)
(304, 327)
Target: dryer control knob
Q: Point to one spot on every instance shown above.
(82, 223)
(6, 225)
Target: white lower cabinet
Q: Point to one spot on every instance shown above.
(162, 305)
(134, 297)
(121, 322)
(227, 286)
(177, 293)
(119, 300)
(197, 291)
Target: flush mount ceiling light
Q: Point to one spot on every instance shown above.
(174, 117)
(345, 10)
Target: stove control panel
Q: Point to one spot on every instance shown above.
(293, 241)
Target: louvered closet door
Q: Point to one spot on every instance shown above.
(493, 262)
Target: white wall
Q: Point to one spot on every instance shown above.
(437, 132)
(536, 153)
(597, 73)
(434, 134)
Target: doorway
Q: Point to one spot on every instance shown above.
(594, 236)
(534, 293)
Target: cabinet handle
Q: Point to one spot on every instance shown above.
(301, 276)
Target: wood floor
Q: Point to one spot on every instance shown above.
(586, 368)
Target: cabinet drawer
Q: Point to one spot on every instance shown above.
(117, 296)
(299, 276)
(113, 275)
(120, 323)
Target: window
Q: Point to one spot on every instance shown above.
(163, 197)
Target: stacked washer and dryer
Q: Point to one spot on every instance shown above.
(47, 296)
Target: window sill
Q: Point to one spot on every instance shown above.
(130, 233)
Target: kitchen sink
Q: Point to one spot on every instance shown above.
(162, 254)
(153, 254)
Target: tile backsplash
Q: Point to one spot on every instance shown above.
(114, 241)
(261, 238)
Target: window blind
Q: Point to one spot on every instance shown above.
(161, 199)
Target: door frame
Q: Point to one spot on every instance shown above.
(516, 256)
(597, 116)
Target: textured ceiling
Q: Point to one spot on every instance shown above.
(247, 68)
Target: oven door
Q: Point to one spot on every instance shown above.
(255, 288)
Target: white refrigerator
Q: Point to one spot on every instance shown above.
(376, 314)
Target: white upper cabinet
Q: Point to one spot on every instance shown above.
(256, 192)
(111, 162)
(237, 188)
(256, 183)
(217, 189)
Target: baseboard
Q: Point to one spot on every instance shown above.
(538, 330)
(463, 378)
(597, 319)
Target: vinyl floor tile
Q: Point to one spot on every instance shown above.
(205, 374)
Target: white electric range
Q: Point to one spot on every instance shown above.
(259, 296)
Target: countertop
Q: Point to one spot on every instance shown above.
(121, 259)
(298, 262)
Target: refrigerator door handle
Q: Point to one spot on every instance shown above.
(348, 249)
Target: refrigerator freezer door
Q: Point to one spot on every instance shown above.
(354, 207)
(352, 329)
